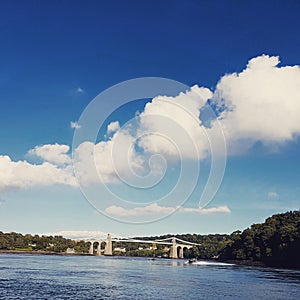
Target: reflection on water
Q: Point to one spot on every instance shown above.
(282, 274)
(86, 277)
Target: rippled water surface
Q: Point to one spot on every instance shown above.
(87, 277)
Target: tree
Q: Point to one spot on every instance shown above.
(275, 242)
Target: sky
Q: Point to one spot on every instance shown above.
(231, 99)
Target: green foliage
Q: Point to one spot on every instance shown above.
(28, 242)
(275, 242)
(209, 245)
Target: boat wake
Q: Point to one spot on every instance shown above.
(207, 263)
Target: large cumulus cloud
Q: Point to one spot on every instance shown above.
(259, 104)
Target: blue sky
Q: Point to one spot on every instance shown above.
(57, 56)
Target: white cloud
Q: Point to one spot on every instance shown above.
(87, 156)
(112, 159)
(79, 90)
(263, 104)
(206, 211)
(155, 209)
(176, 118)
(74, 125)
(273, 195)
(152, 209)
(21, 174)
(168, 125)
(77, 235)
(56, 153)
(113, 127)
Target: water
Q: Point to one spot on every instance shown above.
(88, 277)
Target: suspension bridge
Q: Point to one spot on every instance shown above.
(174, 243)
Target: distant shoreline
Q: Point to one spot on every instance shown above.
(244, 262)
(252, 263)
(42, 253)
(248, 263)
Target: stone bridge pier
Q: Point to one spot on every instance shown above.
(108, 246)
(91, 250)
(98, 250)
(175, 246)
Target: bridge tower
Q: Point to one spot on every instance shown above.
(173, 249)
(108, 245)
(99, 248)
(91, 250)
(181, 252)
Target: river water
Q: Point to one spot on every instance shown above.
(92, 277)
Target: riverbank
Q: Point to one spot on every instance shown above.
(249, 263)
(41, 253)
(244, 263)
(252, 263)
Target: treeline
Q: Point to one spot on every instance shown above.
(275, 242)
(210, 245)
(28, 242)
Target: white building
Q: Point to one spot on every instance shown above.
(119, 249)
(70, 251)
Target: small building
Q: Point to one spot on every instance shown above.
(70, 251)
(119, 249)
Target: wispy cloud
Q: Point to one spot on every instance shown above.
(206, 211)
(79, 90)
(152, 209)
(273, 195)
(155, 209)
(74, 125)
(80, 234)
